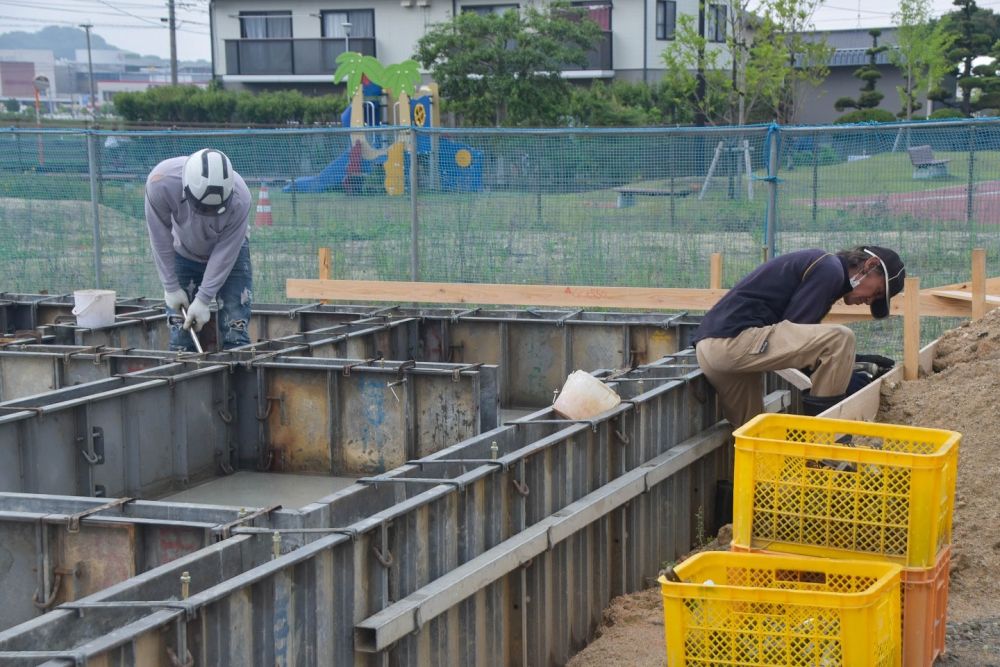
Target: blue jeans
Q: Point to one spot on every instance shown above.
(235, 300)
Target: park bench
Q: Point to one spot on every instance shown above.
(924, 164)
(627, 194)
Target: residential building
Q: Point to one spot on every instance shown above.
(69, 80)
(850, 52)
(268, 45)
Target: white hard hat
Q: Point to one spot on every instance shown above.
(208, 181)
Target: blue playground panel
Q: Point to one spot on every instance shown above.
(460, 166)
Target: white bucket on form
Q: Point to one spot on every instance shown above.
(584, 396)
(94, 307)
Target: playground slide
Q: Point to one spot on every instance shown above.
(333, 175)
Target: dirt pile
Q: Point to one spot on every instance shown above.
(962, 394)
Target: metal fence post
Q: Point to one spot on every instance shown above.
(772, 189)
(414, 217)
(92, 167)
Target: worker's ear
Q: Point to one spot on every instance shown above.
(872, 264)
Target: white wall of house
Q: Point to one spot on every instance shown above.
(400, 23)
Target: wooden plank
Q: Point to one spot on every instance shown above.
(715, 271)
(324, 265)
(577, 296)
(967, 297)
(911, 328)
(978, 283)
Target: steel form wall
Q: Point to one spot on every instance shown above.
(388, 538)
(562, 510)
(147, 432)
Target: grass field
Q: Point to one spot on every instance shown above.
(542, 227)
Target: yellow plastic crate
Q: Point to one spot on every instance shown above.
(890, 494)
(760, 609)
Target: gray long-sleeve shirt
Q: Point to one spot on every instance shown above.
(174, 225)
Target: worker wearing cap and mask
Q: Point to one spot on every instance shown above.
(771, 321)
(196, 211)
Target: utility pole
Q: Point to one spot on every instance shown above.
(699, 91)
(90, 68)
(173, 44)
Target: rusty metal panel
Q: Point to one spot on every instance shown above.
(651, 343)
(18, 567)
(536, 363)
(593, 347)
(372, 425)
(22, 376)
(299, 419)
(162, 544)
(474, 341)
(100, 556)
(447, 411)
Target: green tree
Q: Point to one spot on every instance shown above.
(974, 32)
(505, 69)
(688, 52)
(757, 71)
(789, 24)
(869, 74)
(920, 53)
(12, 105)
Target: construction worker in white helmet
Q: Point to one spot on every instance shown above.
(197, 210)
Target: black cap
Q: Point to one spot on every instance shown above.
(892, 266)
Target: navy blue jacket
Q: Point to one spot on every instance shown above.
(779, 289)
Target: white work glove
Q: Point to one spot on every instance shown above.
(197, 315)
(176, 299)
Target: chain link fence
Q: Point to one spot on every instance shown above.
(629, 207)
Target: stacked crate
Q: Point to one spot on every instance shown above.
(754, 609)
(841, 489)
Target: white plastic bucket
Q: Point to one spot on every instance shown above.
(584, 396)
(94, 307)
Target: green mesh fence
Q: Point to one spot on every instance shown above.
(638, 207)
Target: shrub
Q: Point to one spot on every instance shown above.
(867, 116)
(947, 113)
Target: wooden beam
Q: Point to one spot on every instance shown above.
(574, 296)
(978, 283)
(911, 328)
(967, 297)
(324, 266)
(715, 273)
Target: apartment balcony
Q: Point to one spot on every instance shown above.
(290, 57)
(599, 60)
(599, 57)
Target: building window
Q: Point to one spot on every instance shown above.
(715, 30)
(483, 10)
(265, 25)
(362, 23)
(666, 19)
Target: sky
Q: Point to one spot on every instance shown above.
(135, 25)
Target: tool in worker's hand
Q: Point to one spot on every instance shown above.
(194, 336)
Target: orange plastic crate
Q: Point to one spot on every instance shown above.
(924, 606)
(889, 495)
(757, 610)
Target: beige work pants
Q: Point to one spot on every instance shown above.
(736, 366)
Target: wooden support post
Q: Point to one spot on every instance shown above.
(324, 266)
(978, 282)
(911, 328)
(715, 272)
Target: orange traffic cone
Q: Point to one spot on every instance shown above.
(263, 217)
